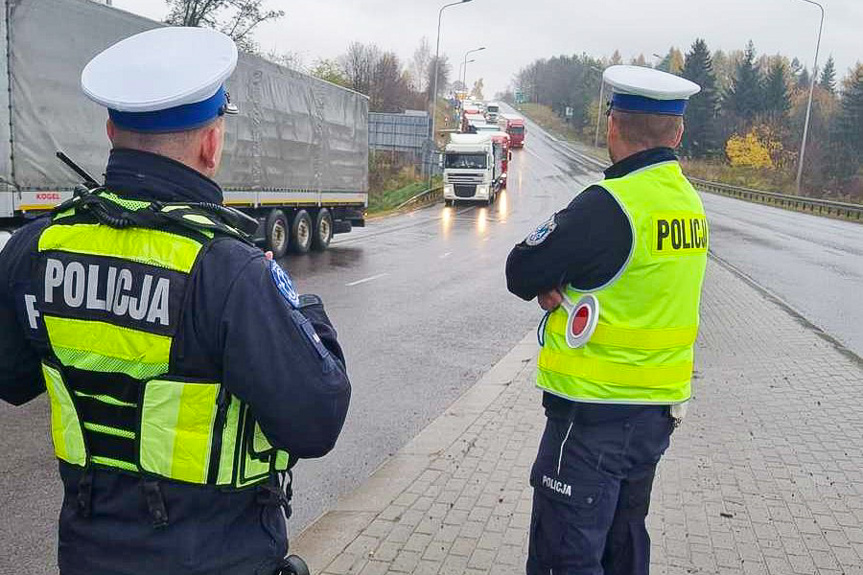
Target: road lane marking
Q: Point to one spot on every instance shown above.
(368, 279)
(446, 255)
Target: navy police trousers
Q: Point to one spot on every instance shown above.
(592, 481)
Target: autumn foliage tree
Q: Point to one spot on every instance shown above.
(749, 115)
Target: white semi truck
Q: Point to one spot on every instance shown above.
(472, 168)
(492, 112)
(296, 157)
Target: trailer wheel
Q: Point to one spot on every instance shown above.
(302, 232)
(323, 230)
(276, 233)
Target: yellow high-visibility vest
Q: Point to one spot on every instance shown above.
(642, 349)
(114, 402)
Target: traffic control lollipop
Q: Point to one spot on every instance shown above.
(581, 320)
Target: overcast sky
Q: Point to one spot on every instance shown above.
(516, 32)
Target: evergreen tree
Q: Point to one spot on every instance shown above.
(700, 138)
(745, 97)
(796, 68)
(828, 76)
(616, 58)
(849, 124)
(777, 100)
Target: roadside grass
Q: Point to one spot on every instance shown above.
(549, 121)
(384, 201)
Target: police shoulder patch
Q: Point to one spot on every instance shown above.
(541, 233)
(284, 284)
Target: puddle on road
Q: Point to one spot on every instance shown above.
(342, 257)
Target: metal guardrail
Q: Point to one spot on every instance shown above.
(826, 208)
(424, 198)
(829, 208)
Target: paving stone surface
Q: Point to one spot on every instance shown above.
(765, 477)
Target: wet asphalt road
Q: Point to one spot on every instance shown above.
(422, 311)
(814, 264)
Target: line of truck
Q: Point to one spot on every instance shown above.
(476, 160)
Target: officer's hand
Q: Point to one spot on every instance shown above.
(268, 255)
(550, 300)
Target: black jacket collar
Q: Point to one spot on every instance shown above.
(640, 160)
(146, 176)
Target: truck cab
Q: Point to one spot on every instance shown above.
(514, 126)
(472, 166)
(492, 111)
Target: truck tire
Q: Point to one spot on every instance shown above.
(302, 232)
(323, 230)
(276, 233)
(447, 203)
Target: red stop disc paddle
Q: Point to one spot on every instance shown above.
(581, 320)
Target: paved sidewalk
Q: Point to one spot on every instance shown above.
(763, 477)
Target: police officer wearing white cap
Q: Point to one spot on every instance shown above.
(185, 374)
(619, 273)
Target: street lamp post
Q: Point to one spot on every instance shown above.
(464, 79)
(434, 83)
(811, 92)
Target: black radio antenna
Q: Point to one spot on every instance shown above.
(89, 180)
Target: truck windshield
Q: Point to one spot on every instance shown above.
(466, 161)
(516, 130)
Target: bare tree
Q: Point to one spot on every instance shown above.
(236, 18)
(390, 90)
(443, 72)
(358, 65)
(290, 59)
(420, 64)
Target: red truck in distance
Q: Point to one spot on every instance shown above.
(514, 126)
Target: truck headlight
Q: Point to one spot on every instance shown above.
(481, 190)
(448, 189)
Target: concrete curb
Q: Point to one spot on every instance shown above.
(328, 536)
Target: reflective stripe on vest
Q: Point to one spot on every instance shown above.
(642, 348)
(112, 301)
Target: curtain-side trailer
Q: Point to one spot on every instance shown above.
(296, 157)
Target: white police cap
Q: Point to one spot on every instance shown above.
(647, 91)
(162, 80)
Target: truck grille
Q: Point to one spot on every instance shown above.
(465, 191)
(459, 179)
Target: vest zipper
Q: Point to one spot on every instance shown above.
(222, 402)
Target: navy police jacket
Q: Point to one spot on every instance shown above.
(238, 331)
